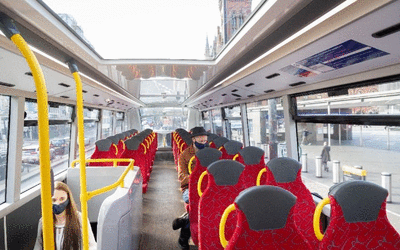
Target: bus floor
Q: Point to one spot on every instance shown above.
(162, 203)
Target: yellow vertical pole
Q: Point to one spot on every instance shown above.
(10, 30)
(81, 139)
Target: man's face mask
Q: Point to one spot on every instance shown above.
(58, 209)
(201, 142)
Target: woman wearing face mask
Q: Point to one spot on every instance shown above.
(67, 222)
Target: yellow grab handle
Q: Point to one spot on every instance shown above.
(190, 164)
(181, 147)
(264, 170)
(116, 149)
(199, 183)
(220, 148)
(123, 145)
(144, 146)
(236, 156)
(317, 215)
(224, 217)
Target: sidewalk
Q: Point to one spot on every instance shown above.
(374, 161)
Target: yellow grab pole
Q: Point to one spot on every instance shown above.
(81, 139)
(10, 30)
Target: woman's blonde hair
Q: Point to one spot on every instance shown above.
(72, 228)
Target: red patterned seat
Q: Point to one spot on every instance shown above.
(225, 182)
(211, 138)
(286, 173)
(104, 150)
(265, 221)
(219, 142)
(358, 218)
(253, 159)
(115, 140)
(230, 149)
(203, 158)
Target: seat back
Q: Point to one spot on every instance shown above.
(286, 173)
(225, 182)
(358, 218)
(265, 220)
(120, 217)
(103, 150)
(203, 158)
(219, 142)
(230, 149)
(253, 159)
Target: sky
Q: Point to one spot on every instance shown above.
(164, 29)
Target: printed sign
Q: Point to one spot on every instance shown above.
(337, 57)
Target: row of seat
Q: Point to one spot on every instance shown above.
(141, 147)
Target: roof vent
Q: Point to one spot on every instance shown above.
(223, 94)
(388, 31)
(251, 96)
(64, 85)
(236, 95)
(28, 73)
(96, 95)
(272, 76)
(237, 99)
(7, 84)
(234, 90)
(84, 91)
(269, 90)
(64, 96)
(296, 84)
(249, 84)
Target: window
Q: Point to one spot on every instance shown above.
(119, 119)
(91, 123)
(267, 127)
(206, 121)
(234, 124)
(164, 119)
(4, 127)
(217, 122)
(106, 123)
(60, 134)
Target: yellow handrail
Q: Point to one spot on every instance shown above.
(190, 164)
(220, 148)
(181, 147)
(199, 183)
(317, 215)
(43, 138)
(236, 156)
(114, 160)
(222, 223)
(116, 148)
(144, 146)
(264, 170)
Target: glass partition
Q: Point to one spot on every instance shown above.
(234, 128)
(164, 120)
(4, 128)
(217, 122)
(106, 123)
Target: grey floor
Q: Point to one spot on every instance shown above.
(161, 204)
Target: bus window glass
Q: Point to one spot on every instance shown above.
(379, 99)
(234, 124)
(91, 122)
(163, 120)
(106, 123)
(4, 123)
(60, 134)
(119, 122)
(267, 127)
(206, 121)
(217, 121)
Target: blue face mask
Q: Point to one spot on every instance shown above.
(199, 145)
(58, 209)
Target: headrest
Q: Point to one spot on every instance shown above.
(284, 169)
(187, 139)
(233, 147)
(103, 145)
(114, 139)
(207, 156)
(126, 133)
(226, 172)
(132, 144)
(360, 200)
(211, 137)
(265, 207)
(120, 136)
(251, 155)
(178, 130)
(220, 141)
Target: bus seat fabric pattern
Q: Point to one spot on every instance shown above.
(253, 159)
(203, 159)
(361, 235)
(274, 226)
(224, 184)
(305, 206)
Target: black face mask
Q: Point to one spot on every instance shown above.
(199, 145)
(58, 209)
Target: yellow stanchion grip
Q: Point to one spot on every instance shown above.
(199, 183)
(190, 164)
(147, 143)
(220, 148)
(116, 149)
(264, 170)
(317, 215)
(224, 217)
(181, 147)
(144, 146)
(123, 145)
(235, 157)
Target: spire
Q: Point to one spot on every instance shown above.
(207, 50)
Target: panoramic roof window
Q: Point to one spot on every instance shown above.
(155, 29)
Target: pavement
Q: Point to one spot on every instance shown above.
(373, 160)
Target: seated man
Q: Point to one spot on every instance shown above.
(199, 139)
